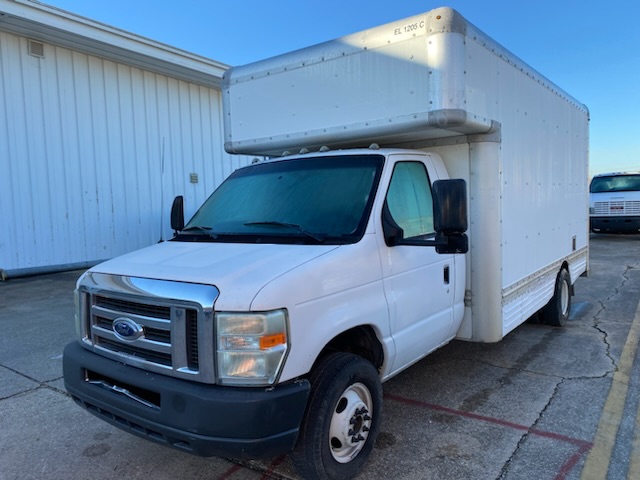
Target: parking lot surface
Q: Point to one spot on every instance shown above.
(545, 403)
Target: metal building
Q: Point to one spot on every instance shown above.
(99, 130)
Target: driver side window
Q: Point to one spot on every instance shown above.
(409, 199)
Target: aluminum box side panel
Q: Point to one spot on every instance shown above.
(544, 163)
(403, 82)
(504, 285)
(541, 176)
(391, 84)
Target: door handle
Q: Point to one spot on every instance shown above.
(446, 275)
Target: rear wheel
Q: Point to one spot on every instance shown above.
(556, 312)
(342, 419)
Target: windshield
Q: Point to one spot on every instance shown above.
(615, 183)
(310, 200)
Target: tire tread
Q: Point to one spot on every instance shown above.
(309, 457)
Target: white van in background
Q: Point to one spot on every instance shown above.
(614, 202)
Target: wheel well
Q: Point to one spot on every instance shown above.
(565, 266)
(361, 341)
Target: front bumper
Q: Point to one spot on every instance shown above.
(622, 224)
(206, 420)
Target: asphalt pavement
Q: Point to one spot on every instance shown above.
(544, 403)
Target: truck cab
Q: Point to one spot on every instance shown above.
(614, 202)
(292, 267)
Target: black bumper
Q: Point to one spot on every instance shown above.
(207, 420)
(621, 224)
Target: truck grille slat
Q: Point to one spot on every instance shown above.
(192, 339)
(149, 355)
(157, 335)
(125, 306)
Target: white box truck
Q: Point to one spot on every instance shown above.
(614, 202)
(438, 190)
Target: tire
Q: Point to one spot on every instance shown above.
(342, 420)
(556, 312)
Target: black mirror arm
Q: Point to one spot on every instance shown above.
(454, 242)
(450, 243)
(393, 233)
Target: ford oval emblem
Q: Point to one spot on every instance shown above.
(127, 329)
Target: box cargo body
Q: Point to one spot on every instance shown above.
(435, 82)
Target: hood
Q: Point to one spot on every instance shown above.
(238, 270)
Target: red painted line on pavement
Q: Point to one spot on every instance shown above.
(496, 421)
(583, 446)
(572, 461)
(267, 474)
(229, 472)
(272, 467)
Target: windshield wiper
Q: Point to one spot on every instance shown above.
(314, 236)
(206, 230)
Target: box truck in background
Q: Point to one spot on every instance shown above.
(614, 202)
(425, 184)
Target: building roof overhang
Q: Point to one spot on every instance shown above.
(49, 24)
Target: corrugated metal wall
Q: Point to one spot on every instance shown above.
(82, 146)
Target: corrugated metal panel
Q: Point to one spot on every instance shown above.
(82, 144)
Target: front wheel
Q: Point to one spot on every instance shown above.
(342, 419)
(556, 312)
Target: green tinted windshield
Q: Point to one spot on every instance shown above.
(310, 200)
(615, 183)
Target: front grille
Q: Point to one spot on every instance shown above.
(161, 326)
(617, 207)
(159, 323)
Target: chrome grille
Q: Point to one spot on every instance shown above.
(617, 207)
(156, 320)
(173, 329)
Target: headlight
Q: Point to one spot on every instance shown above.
(251, 347)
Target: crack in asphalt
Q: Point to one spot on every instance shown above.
(596, 317)
(505, 468)
(605, 339)
(40, 384)
(520, 366)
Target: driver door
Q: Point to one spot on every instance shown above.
(418, 282)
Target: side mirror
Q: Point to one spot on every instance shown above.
(177, 213)
(449, 220)
(450, 215)
(450, 206)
